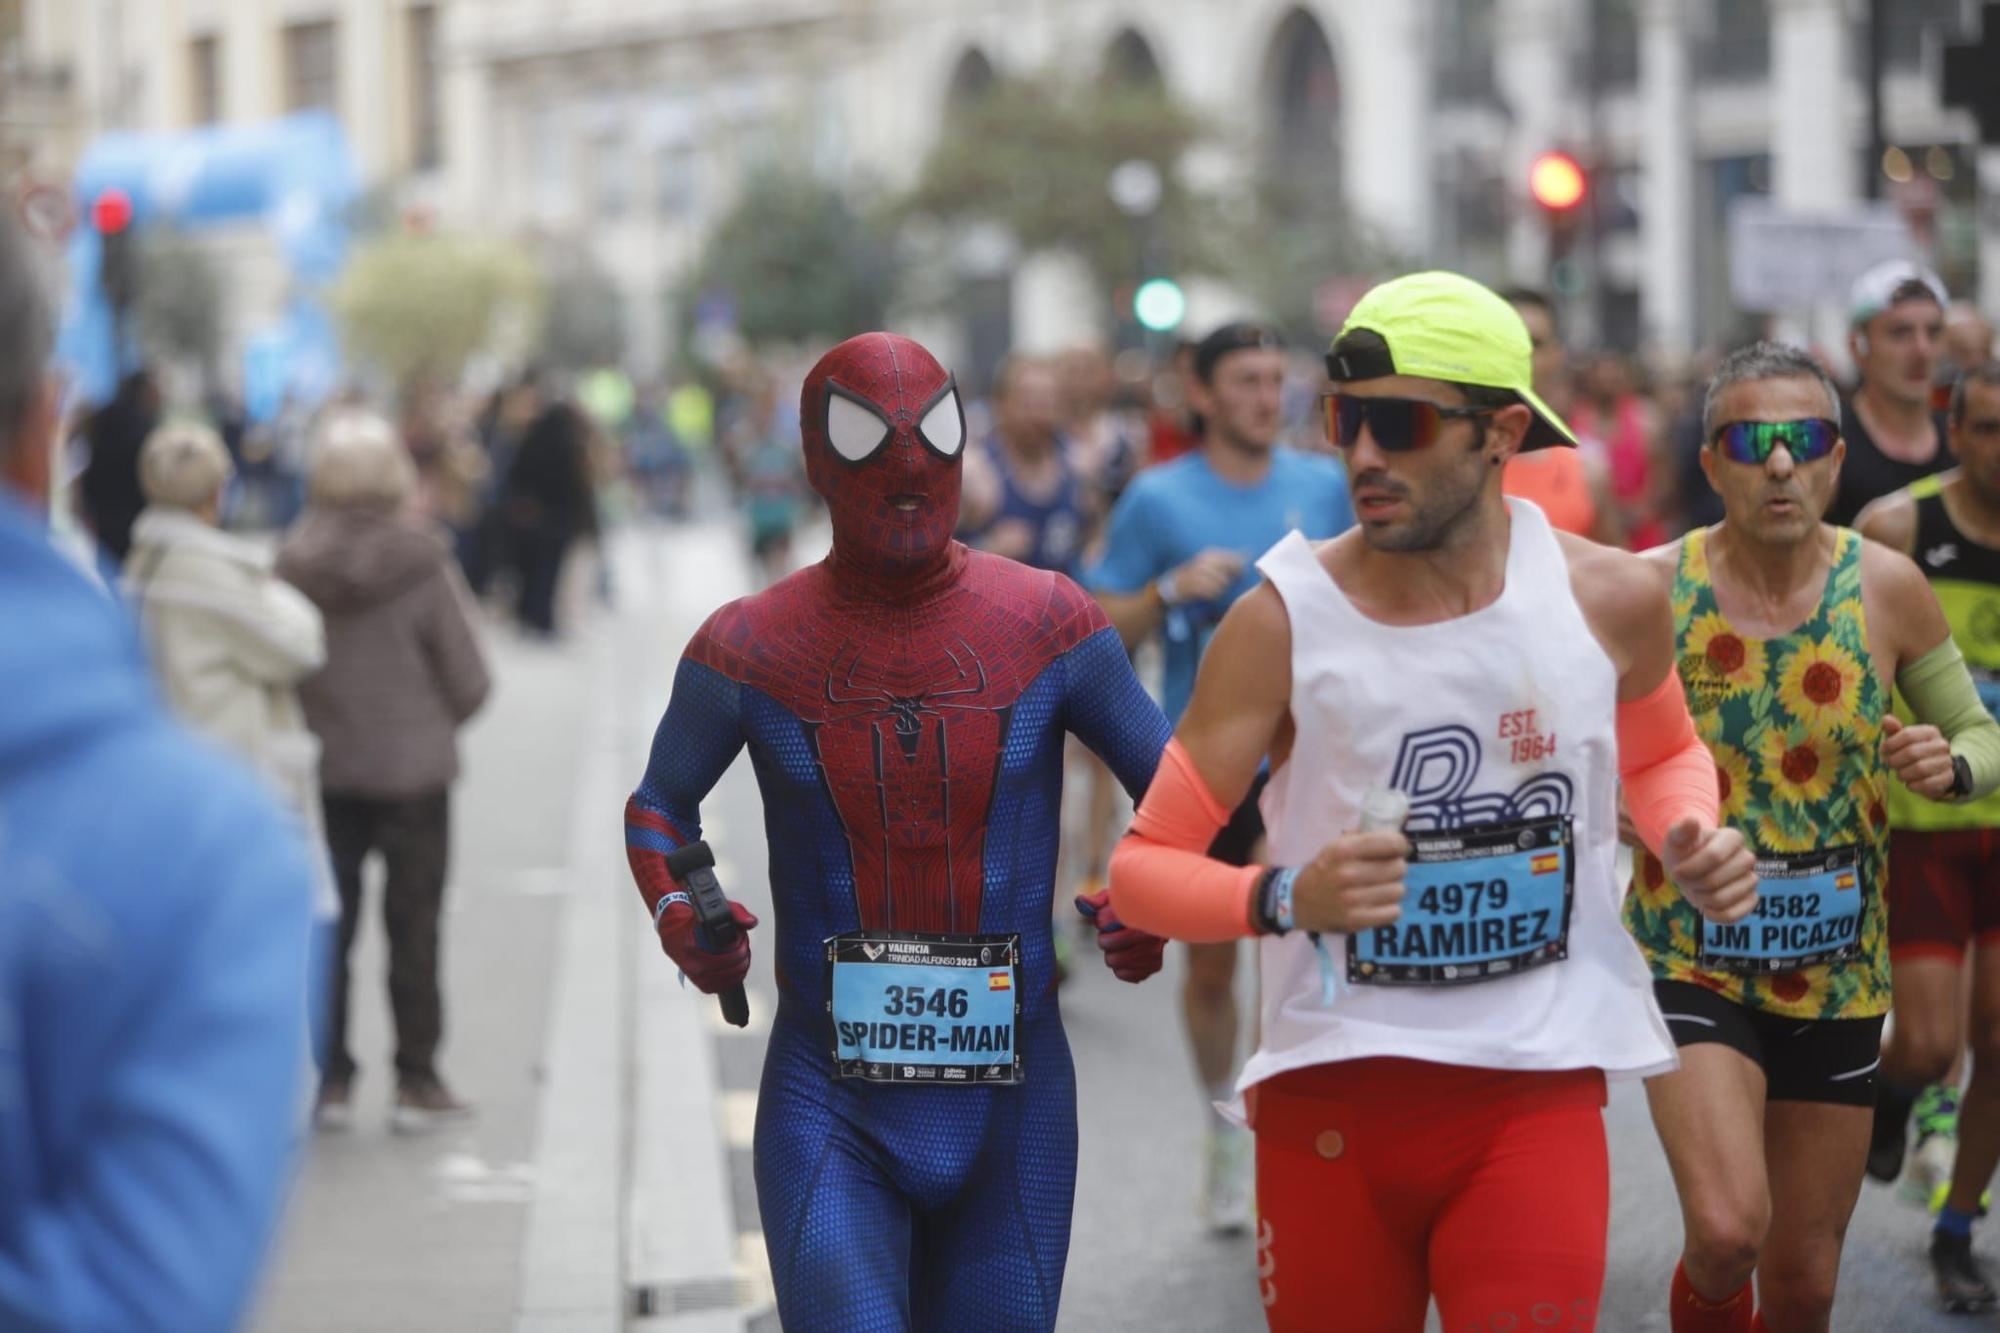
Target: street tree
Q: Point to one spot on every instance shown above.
(582, 325)
(417, 306)
(178, 301)
(1038, 155)
(797, 260)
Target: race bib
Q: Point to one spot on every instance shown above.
(920, 1008)
(1479, 902)
(1809, 911)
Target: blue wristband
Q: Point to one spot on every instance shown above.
(1281, 899)
(666, 900)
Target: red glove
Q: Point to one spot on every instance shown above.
(1132, 955)
(688, 945)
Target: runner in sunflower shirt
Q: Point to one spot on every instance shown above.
(1790, 632)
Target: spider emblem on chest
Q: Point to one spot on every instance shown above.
(907, 713)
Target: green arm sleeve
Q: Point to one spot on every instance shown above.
(1940, 692)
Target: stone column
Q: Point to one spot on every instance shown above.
(253, 58)
(1666, 161)
(1989, 229)
(1382, 58)
(472, 144)
(1813, 162)
(370, 84)
(1814, 168)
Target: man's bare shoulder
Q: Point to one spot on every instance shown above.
(1889, 520)
(1604, 576)
(1257, 617)
(1888, 576)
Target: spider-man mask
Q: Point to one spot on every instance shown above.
(884, 441)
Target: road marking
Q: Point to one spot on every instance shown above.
(753, 1263)
(538, 881)
(739, 1117)
(570, 1275)
(465, 1178)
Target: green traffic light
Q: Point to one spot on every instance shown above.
(1159, 304)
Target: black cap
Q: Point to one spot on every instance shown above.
(1237, 336)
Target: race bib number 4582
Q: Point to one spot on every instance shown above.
(1810, 906)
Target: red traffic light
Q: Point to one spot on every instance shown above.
(1556, 181)
(111, 212)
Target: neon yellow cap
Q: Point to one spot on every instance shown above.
(1445, 326)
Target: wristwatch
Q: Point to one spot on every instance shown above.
(1961, 778)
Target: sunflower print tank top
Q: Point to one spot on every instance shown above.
(1795, 724)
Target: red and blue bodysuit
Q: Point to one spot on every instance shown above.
(904, 703)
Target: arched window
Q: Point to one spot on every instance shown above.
(970, 79)
(1302, 143)
(1129, 61)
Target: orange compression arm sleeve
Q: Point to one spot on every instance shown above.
(1669, 774)
(1162, 879)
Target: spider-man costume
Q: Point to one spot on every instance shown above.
(904, 702)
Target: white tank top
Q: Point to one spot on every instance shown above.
(1501, 721)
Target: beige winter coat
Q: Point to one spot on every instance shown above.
(404, 668)
(230, 643)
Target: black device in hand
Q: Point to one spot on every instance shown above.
(693, 867)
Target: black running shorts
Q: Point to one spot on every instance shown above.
(1804, 1060)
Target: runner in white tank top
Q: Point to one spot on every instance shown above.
(1441, 1004)
(1497, 726)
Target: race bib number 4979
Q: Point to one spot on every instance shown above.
(1479, 902)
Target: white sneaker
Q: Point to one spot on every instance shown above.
(1228, 1200)
(1929, 1167)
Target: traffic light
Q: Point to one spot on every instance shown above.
(1557, 182)
(118, 261)
(1560, 188)
(1159, 304)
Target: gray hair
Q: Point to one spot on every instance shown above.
(183, 465)
(358, 462)
(1764, 361)
(27, 334)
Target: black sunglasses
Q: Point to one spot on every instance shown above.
(1397, 425)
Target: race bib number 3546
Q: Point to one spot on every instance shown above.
(908, 1007)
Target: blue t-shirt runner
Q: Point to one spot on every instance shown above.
(1173, 513)
(1179, 551)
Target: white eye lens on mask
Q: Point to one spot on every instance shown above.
(943, 427)
(853, 430)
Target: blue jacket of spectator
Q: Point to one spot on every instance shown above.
(154, 909)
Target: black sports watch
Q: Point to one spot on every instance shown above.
(1961, 778)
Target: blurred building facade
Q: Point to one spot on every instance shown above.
(622, 127)
(178, 64)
